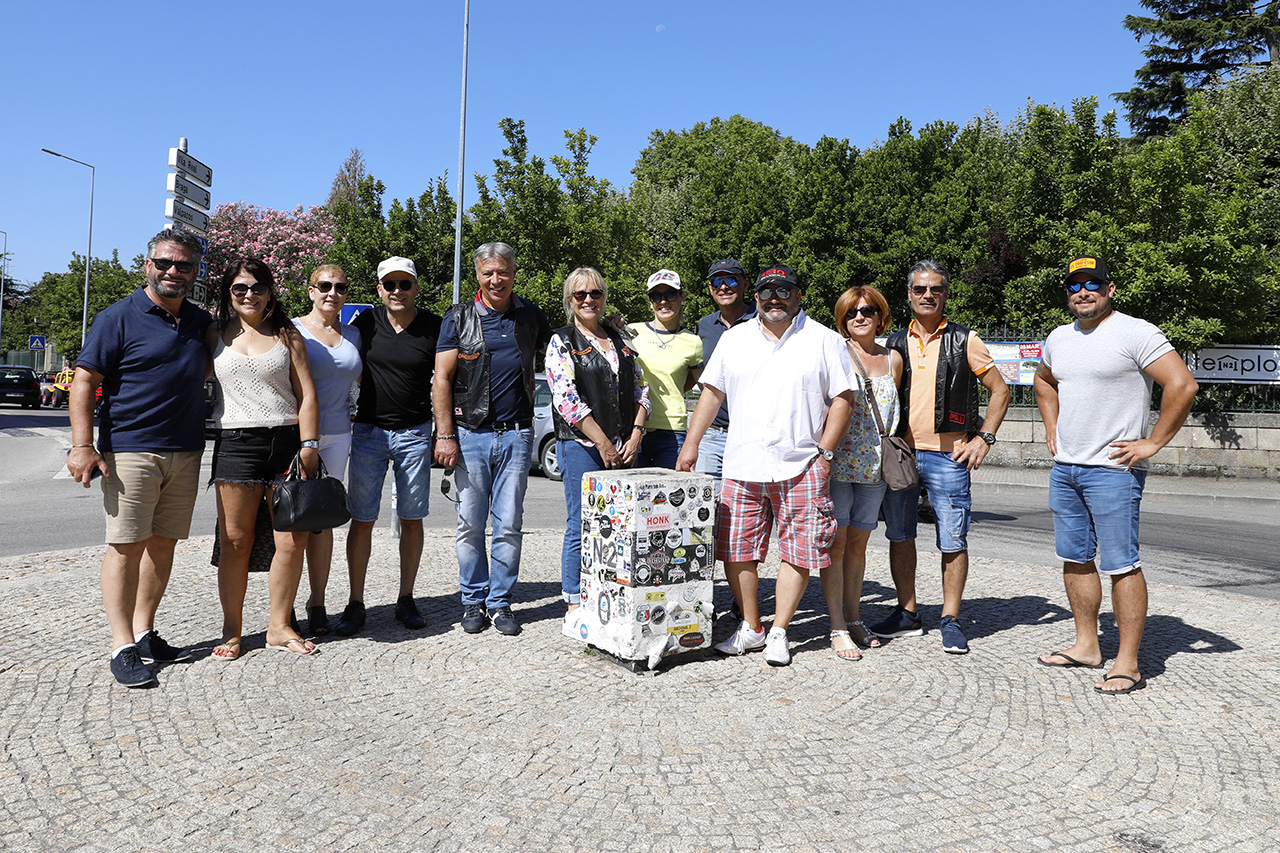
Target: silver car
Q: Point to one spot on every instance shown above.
(544, 430)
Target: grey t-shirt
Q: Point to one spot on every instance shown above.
(1103, 393)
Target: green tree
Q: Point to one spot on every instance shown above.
(56, 302)
(1191, 43)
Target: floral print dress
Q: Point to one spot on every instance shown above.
(857, 457)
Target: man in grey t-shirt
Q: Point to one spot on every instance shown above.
(1093, 388)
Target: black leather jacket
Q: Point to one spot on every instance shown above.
(612, 405)
(471, 403)
(956, 394)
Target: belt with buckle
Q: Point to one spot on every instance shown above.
(507, 426)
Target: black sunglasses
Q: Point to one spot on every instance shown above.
(1090, 285)
(392, 285)
(163, 265)
(782, 291)
(583, 295)
(664, 295)
(932, 290)
(258, 288)
(864, 311)
(339, 287)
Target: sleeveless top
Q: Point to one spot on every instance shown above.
(256, 391)
(333, 370)
(858, 454)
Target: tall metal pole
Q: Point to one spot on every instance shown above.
(4, 269)
(462, 150)
(88, 260)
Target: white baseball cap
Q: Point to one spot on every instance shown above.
(667, 277)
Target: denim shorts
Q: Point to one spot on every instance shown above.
(409, 453)
(254, 455)
(857, 505)
(1095, 515)
(947, 482)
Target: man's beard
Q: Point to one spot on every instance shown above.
(168, 289)
(777, 315)
(1099, 308)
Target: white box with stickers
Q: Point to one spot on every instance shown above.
(648, 554)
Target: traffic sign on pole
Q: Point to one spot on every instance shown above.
(178, 212)
(36, 342)
(352, 310)
(184, 190)
(190, 166)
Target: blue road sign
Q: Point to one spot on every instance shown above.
(35, 342)
(350, 310)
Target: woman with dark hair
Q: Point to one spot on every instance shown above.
(599, 405)
(267, 415)
(856, 485)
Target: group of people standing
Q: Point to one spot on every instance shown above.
(791, 420)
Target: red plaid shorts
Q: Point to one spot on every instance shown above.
(802, 506)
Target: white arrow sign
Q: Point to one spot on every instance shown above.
(176, 211)
(186, 191)
(191, 167)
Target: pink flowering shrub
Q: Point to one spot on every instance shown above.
(292, 243)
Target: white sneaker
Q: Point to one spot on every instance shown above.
(742, 641)
(776, 652)
(572, 627)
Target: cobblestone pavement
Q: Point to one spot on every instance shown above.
(438, 740)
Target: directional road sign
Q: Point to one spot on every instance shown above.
(351, 310)
(176, 211)
(184, 190)
(190, 166)
(35, 342)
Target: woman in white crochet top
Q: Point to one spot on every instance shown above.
(267, 414)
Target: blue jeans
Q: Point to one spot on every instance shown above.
(949, 495)
(1095, 514)
(408, 451)
(492, 474)
(575, 460)
(711, 452)
(660, 448)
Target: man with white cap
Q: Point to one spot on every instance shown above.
(393, 425)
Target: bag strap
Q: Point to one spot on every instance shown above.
(295, 468)
(867, 391)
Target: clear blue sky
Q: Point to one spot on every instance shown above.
(273, 95)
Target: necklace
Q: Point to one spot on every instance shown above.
(658, 335)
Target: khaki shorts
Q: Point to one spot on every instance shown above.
(150, 494)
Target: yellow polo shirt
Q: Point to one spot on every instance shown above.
(923, 350)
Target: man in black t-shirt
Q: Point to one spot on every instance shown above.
(393, 425)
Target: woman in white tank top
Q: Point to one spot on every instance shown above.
(267, 414)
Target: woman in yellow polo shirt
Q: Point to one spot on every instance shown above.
(671, 357)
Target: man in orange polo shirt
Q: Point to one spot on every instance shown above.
(944, 364)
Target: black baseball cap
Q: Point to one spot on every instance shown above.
(777, 274)
(728, 265)
(1093, 267)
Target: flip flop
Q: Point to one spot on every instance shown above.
(1138, 684)
(1073, 662)
(233, 645)
(285, 646)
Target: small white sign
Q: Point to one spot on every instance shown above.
(184, 190)
(200, 293)
(191, 167)
(1245, 364)
(176, 211)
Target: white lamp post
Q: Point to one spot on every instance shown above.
(88, 260)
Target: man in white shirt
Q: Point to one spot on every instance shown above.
(790, 393)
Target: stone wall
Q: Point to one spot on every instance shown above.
(1209, 445)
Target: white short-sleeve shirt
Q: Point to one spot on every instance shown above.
(779, 393)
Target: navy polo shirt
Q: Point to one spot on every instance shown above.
(507, 401)
(710, 328)
(154, 369)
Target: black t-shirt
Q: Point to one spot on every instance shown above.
(395, 387)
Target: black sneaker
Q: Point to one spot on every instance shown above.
(900, 623)
(352, 619)
(473, 618)
(153, 649)
(505, 621)
(129, 669)
(407, 612)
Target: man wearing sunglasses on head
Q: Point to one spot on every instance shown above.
(944, 364)
(727, 282)
(147, 352)
(791, 389)
(1093, 388)
(392, 425)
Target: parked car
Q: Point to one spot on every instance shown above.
(19, 385)
(544, 430)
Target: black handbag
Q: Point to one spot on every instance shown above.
(897, 459)
(302, 506)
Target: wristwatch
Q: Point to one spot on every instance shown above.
(635, 427)
(311, 442)
(988, 437)
(828, 455)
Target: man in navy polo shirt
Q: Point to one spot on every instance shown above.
(483, 396)
(147, 353)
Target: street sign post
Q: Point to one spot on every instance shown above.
(352, 310)
(184, 190)
(176, 211)
(36, 342)
(190, 166)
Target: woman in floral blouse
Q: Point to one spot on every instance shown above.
(856, 486)
(599, 405)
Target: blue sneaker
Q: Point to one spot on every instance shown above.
(953, 641)
(900, 623)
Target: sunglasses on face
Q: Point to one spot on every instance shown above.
(258, 288)
(864, 311)
(664, 295)
(339, 287)
(1090, 285)
(782, 291)
(392, 285)
(932, 290)
(584, 295)
(724, 283)
(163, 265)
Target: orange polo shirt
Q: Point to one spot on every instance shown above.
(923, 350)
